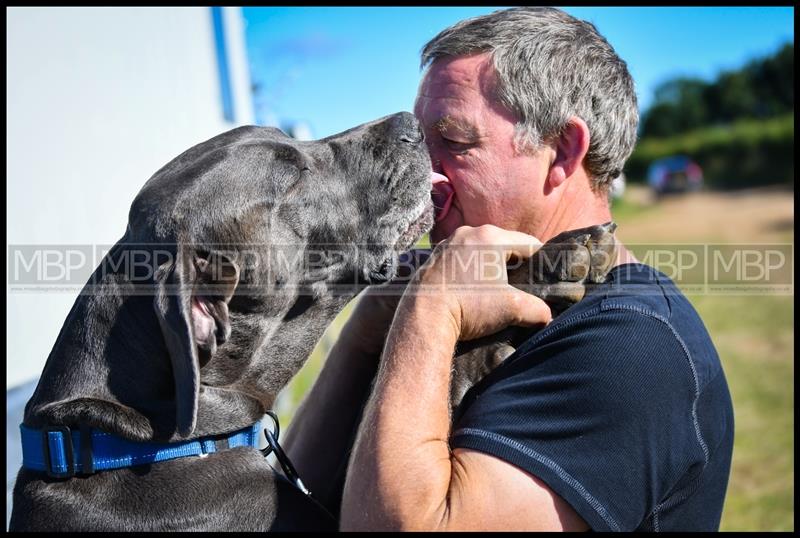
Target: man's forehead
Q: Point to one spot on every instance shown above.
(453, 112)
(455, 87)
(474, 72)
(470, 66)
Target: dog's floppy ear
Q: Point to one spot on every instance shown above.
(191, 303)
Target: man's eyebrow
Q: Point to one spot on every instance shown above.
(446, 123)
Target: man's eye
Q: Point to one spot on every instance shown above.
(459, 147)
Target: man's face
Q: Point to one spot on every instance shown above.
(470, 136)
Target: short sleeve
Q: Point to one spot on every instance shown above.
(599, 407)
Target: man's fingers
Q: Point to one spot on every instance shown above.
(527, 310)
(518, 244)
(513, 243)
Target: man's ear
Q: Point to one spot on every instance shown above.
(191, 303)
(570, 147)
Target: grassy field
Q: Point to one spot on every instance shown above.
(755, 340)
(753, 334)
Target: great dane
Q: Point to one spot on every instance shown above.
(255, 242)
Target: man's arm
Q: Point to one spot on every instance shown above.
(402, 474)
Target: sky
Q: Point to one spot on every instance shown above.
(332, 68)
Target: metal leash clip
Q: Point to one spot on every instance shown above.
(283, 459)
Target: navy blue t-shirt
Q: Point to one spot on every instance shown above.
(620, 405)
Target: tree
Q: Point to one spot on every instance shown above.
(763, 88)
(679, 106)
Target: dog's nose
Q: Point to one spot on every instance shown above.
(405, 127)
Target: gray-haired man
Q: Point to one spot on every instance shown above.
(616, 416)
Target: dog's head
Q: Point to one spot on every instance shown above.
(261, 228)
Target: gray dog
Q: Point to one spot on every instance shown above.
(255, 242)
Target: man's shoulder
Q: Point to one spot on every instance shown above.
(649, 295)
(636, 287)
(638, 319)
(645, 294)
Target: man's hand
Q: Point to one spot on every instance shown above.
(467, 277)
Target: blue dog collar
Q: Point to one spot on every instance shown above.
(62, 453)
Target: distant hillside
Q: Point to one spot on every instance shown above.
(738, 128)
(763, 88)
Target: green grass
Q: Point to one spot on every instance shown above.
(755, 342)
(623, 209)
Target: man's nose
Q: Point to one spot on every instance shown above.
(405, 127)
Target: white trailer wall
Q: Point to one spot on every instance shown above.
(98, 99)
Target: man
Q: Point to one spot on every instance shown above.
(616, 416)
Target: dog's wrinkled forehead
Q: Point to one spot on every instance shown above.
(314, 161)
(278, 148)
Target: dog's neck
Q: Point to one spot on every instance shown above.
(110, 368)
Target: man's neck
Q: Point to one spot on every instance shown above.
(580, 207)
(577, 206)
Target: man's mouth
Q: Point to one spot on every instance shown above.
(442, 195)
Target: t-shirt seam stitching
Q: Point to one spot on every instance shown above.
(606, 305)
(563, 324)
(610, 303)
(596, 505)
(688, 356)
(695, 420)
(663, 290)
